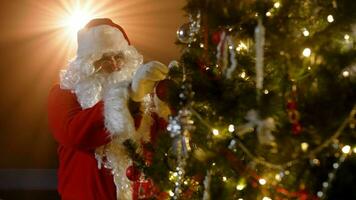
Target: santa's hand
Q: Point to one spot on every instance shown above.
(145, 78)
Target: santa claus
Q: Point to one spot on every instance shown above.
(96, 107)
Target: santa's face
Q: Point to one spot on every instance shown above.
(109, 63)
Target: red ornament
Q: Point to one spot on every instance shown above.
(162, 89)
(296, 128)
(216, 37)
(133, 173)
(291, 105)
(148, 155)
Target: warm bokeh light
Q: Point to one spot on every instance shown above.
(77, 19)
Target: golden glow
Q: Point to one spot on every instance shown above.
(304, 146)
(346, 149)
(231, 128)
(354, 149)
(306, 52)
(215, 132)
(346, 37)
(171, 193)
(224, 178)
(77, 20)
(346, 73)
(277, 4)
(330, 18)
(262, 181)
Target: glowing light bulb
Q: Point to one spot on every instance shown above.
(306, 33)
(330, 18)
(171, 193)
(346, 149)
(336, 165)
(266, 91)
(304, 146)
(268, 14)
(262, 181)
(240, 187)
(266, 198)
(306, 52)
(354, 149)
(346, 73)
(243, 74)
(277, 4)
(320, 194)
(346, 37)
(224, 178)
(215, 132)
(231, 128)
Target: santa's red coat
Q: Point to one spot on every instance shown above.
(79, 132)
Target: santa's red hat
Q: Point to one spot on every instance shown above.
(101, 36)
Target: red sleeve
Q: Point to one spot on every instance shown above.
(71, 125)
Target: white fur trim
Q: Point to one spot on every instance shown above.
(102, 38)
(118, 119)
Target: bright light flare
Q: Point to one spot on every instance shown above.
(76, 18)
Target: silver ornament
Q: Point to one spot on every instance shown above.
(185, 34)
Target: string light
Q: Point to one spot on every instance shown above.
(201, 45)
(215, 132)
(346, 37)
(320, 194)
(262, 181)
(266, 91)
(336, 165)
(171, 193)
(346, 73)
(304, 146)
(354, 149)
(231, 128)
(330, 18)
(224, 178)
(306, 52)
(306, 33)
(277, 4)
(241, 46)
(240, 187)
(266, 198)
(243, 75)
(346, 149)
(268, 14)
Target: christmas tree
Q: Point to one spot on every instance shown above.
(262, 99)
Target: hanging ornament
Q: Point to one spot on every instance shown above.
(165, 89)
(216, 37)
(293, 113)
(207, 180)
(233, 63)
(259, 45)
(264, 128)
(133, 173)
(184, 33)
(187, 32)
